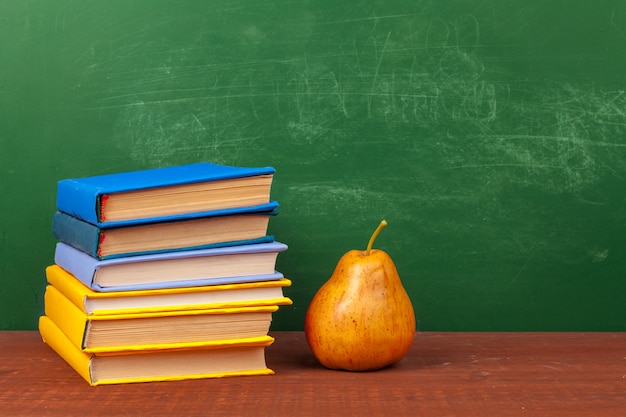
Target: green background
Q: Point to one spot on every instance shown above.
(490, 134)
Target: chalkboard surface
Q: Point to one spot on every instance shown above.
(491, 135)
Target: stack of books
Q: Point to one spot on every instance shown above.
(164, 274)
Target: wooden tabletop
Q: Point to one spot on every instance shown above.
(445, 374)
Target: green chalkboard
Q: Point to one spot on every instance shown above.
(490, 134)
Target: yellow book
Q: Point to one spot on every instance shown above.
(108, 333)
(262, 293)
(155, 363)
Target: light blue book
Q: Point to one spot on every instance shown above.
(225, 265)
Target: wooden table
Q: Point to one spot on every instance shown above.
(445, 374)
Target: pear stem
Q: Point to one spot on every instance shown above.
(380, 227)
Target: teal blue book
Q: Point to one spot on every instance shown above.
(165, 194)
(225, 265)
(248, 227)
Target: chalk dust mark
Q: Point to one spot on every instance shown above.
(367, 19)
(437, 36)
(568, 139)
(380, 60)
(199, 122)
(423, 82)
(331, 197)
(520, 271)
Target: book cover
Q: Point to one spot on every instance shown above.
(166, 329)
(225, 265)
(261, 293)
(141, 239)
(93, 199)
(154, 363)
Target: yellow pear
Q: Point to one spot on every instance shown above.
(361, 319)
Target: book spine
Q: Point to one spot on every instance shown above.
(77, 199)
(77, 263)
(67, 317)
(77, 233)
(67, 285)
(54, 337)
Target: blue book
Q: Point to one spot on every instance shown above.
(141, 239)
(225, 265)
(169, 193)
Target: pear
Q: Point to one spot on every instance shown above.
(361, 319)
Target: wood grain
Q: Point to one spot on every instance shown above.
(445, 374)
